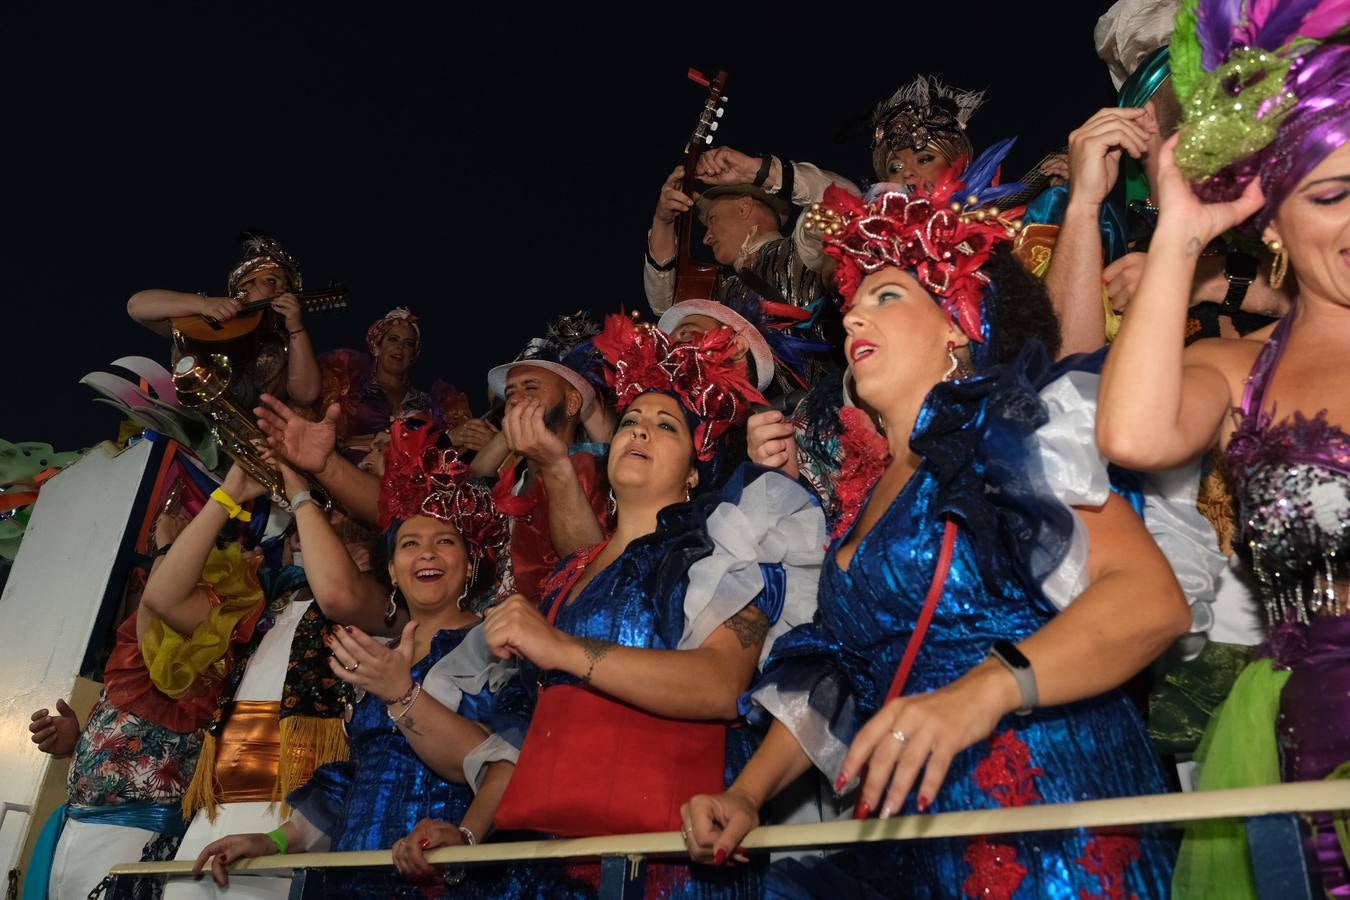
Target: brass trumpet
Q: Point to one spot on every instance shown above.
(203, 384)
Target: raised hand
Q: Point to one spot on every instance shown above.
(473, 434)
(526, 434)
(723, 165)
(1181, 212)
(241, 486)
(672, 201)
(515, 627)
(56, 734)
(364, 662)
(304, 444)
(1095, 149)
(288, 306)
(222, 309)
(771, 441)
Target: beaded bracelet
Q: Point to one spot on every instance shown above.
(416, 692)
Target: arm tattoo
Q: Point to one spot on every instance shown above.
(750, 626)
(595, 651)
(406, 723)
(1193, 247)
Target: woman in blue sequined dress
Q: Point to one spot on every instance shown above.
(1047, 566)
(670, 615)
(444, 534)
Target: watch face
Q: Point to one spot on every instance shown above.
(1008, 650)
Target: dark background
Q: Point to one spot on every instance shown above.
(488, 171)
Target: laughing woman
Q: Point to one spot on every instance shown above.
(980, 509)
(444, 535)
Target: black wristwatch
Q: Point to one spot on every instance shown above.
(1240, 270)
(1007, 653)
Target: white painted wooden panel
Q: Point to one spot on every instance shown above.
(49, 607)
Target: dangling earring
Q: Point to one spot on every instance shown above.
(613, 504)
(688, 491)
(956, 363)
(1279, 266)
(391, 611)
(469, 577)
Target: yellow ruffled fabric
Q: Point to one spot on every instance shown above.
(176, 661)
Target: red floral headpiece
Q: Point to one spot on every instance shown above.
(701, 375)
(944, 242)
(423, 476)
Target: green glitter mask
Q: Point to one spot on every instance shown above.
(1233, 112)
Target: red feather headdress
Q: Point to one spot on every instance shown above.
(942, 241)
(701, 375)
(423, 476)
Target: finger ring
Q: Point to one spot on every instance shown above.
(684, 833)
(899, 735)
(354, 666)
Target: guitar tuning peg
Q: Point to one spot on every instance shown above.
(708, 139)
(713, 126)
(720, 110)
(724, 99)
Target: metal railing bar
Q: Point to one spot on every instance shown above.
(1295, 797)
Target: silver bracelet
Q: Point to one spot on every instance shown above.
(304, 497)
(469, 837)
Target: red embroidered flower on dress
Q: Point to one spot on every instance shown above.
(1007, 773)
(561, 579)
(995, 872)
(865, 456)
(704, 375)
(1107, 856)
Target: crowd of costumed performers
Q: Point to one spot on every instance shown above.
(948, 492)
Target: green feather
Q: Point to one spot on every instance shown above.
(1186, 52)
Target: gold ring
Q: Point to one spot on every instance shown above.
(353, 667)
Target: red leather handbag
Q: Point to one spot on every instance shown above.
(592, 765)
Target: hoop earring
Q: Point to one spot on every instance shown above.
(1279, 266)
(391, 611)
(613, 504)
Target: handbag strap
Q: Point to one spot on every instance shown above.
(944, 565)
(561, 582)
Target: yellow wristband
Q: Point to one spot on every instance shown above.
(234, 509)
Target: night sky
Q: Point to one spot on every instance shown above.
(488, 171)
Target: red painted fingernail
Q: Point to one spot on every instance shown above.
(923, 803)
(424, 843)
(863, 810)
(719, 857)
(840, 782)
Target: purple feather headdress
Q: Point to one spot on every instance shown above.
(1265, 91)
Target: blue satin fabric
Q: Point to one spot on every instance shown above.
(975, 437)
(383, 790)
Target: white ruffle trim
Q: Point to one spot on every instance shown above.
(1074, 470)
(1077, 474)
(777, 521)
(467, 670)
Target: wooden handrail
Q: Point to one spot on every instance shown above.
(1295, 797)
